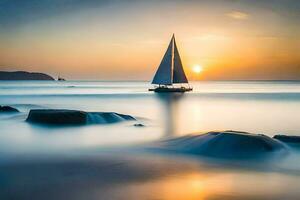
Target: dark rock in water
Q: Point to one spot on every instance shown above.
(287, 139)
(227, 144)
(74, 117)
(8, 109)
(58, 117)
(139, 125)
(22, 75)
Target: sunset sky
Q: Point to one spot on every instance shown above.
(126, 39)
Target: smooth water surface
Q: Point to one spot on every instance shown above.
(259, 107)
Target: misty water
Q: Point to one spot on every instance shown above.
(110, 161)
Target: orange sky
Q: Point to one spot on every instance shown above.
(230, 39)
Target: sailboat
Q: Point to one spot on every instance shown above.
(170, 72)
(61, 79)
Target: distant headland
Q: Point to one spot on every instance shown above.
(23, 75)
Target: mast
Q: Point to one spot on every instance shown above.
(172, 63)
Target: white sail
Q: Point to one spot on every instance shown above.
(164, 72)
(178, 72)
(170, 69)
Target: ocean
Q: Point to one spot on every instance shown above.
(98, 162)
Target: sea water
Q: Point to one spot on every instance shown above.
(265, 107)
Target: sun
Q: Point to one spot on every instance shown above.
(197, 69)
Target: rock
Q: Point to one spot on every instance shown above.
(74, 117)
(227, 144)
(8, 109)
(287, 139)
(106, 117)
(22, 75)
(57, 117)
(138, 125)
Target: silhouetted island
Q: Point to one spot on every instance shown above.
(23, 75)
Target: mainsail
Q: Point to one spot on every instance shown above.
(164, 72)
(178, 72)
(170, 69)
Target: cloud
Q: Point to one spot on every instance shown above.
(18, 12)
(238, 15)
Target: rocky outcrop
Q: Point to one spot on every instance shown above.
(227, 144)
(74, 117)
(22, 75)
(8, 109)
(139, 125)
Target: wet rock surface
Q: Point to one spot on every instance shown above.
(227, 144)
(288, 139)
(139, 125)
(8, 109)
(74, 117)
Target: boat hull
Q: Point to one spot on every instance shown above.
(165, 89)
